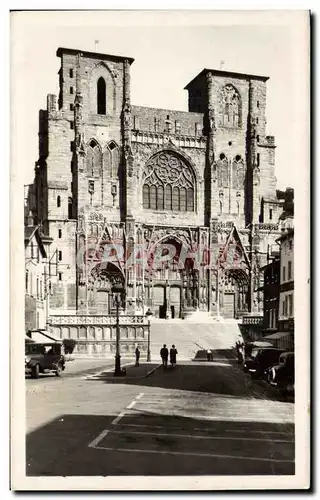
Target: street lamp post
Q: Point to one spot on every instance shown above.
(149, 333)
(117, 370)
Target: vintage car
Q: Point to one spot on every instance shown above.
(281, 375)
(247, 349)
(260, 359)
(46, 357)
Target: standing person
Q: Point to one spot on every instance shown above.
(209, 353)
(173, 356)
(164, 355)
(137, 353)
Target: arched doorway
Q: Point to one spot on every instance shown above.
(175, 283)
(102, 278)
(234, 293)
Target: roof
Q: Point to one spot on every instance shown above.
(278, 335)
(29, 232)
(230, 74)
(274, 263)
(287, 233)
(42, 336)
(94, 55)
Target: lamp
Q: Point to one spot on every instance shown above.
(118, 290)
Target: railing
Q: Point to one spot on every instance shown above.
(101, 320)
(252, 320)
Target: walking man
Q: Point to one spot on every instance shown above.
(137, 353)
(173, 356)
(164, 355)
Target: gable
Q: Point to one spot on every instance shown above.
(233, 253)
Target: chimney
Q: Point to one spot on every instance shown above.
(30, 221)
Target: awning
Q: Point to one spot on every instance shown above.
(28, 339)
(278, 335)
(260, 343)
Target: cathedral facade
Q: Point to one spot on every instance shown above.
(121, 188)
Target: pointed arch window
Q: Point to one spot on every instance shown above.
(146, 196)
(230, 107)
(172, 181)
(190, 200)
(175, 198)
(111, 160)
(160, 198)
(168, 198)
(153, 197)
(101, 96)
(94, 159)
(183, 200)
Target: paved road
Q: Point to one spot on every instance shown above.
(200, 418)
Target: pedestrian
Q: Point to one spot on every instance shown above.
(164, 355)
(173, 356)
(209, 352)
(137, 353)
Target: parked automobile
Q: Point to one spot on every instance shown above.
(44, 358)
(281, 375)
(248, 347)
(260, 359)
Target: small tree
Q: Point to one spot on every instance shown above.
(69, 345)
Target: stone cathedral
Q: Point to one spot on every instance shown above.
(113, 174)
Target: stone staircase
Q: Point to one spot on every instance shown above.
(190, 337)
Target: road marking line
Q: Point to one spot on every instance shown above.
(188, 436)
(131, 405)
(118, 418)
(207, 455)
(97, 440)
(140, 395)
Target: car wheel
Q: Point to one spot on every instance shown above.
(58, 370)
(35, 371)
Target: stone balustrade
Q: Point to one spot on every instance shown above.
(96, 335)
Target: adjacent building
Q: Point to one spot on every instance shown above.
(35, 277)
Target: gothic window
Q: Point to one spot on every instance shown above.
(101, 96)
(220, 207)
(94, 159)
(153, 197)
(160, 198)
(175, 198)
(183, 199)
(146, 196)
(230, 107)
(111, 158)
(169, 176)
(237, 173)
(190, 200)
(168, 198)
(223, 171)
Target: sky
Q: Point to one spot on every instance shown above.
(169, 49)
